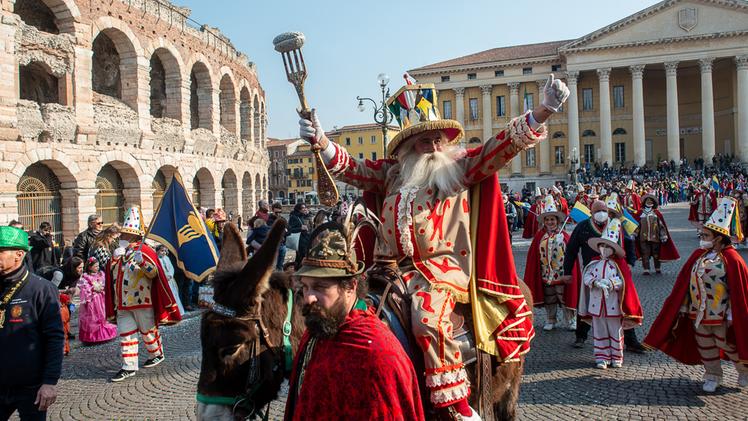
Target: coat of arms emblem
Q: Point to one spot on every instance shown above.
(688, 18)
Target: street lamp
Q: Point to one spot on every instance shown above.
(382, 115)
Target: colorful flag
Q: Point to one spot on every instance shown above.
(629, 223)
(715, 184)
(177, 225)
(579, 212)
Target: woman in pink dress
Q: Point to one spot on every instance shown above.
(93, 326)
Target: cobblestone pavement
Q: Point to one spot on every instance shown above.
(560, 382)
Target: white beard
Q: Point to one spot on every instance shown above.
(437, 170)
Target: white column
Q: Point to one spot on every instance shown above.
(606, 133)
(545, 146)
(673, 124)
(707, 110)
(514, 112)
(487, 114)
(637, 74)
(742, 92)
(460, 104)
(572, 113)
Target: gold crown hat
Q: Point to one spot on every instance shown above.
(133, 223)
(416, 110)
(611, 202)
(611, 237)
(725, 219)
(550, 209)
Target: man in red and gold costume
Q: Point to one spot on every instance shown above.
(138, 296)
(434, 196)
(532, 225)
(705, 318)
(630, 199)
(703, 203)
(558, 197)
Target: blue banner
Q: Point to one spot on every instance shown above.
(178, 225)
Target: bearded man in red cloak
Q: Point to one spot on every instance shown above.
(432, 191)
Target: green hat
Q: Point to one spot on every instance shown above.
(14, 238)
(331, 254)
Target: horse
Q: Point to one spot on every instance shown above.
(248, 337)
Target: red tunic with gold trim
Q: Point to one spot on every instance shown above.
(144, 287)
(632, 202)
(535, 267)
(531, 225)
(703, 203)
(673, 331)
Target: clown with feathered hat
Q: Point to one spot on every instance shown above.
(431, 195)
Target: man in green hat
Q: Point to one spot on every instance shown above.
(30, 333)
(346, 354)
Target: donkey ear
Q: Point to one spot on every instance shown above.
(232, 248)
(258, 269)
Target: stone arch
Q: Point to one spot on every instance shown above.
(589, 133)
(248, 196)
(227, 103)
(36, 13)
(264, 183)
(204, 189)
(245, 119)
(114, 70)
(166, 84)
(230, 192)
(263, 124)
(258, 188)
(64, 14)
(160, 182)
(118, 187)
(201, 96)
(474, 141)
(619, 131)
(45, 189)
(256, 120)
(271, 197)
(559, 135)
(37, 83)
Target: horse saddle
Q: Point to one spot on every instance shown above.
(388, 294)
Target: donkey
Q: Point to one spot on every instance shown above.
(244, 361)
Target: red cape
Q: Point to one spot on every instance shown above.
(165, 310)
(630, 305)
(535, 282)
(637, 205)
(362, 373)
(563, 204)
(693, 213)
(674, 334)
(668, 251)
(531, 222)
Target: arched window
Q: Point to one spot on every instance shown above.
(38, 84)
(196, 191)
(619, 130)
(474, 140)
(588, 133)
(159, 187)
(39, 199)
(110, 197)
(35, 13)
(559, 135)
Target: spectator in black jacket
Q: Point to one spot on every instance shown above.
(591, 228)
(277, 210)
(43, 250)
(30, 333)
(300, 222)
(85, 239)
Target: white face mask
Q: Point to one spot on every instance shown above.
(601, 216)
(706, 245)
(605, 252)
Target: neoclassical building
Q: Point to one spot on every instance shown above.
(668, 82)
(101, 102)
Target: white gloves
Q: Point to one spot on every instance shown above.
(604, 284)
(311, 130)
(119, 252)
(555, 94)
(137, 257)
(663, 239)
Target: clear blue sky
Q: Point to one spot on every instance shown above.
(350, 42)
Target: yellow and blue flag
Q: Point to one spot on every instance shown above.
(715, 184)
(177, 224)
(629, 223)
(579, 212)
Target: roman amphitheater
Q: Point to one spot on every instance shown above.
(102, 101)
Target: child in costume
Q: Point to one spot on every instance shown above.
(93, 326)
(545, 268)
(705, 318)
(608, 297)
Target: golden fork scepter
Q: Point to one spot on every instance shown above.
(289, 45)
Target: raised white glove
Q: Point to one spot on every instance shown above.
(119, 252)
(137, 257)
(663, 239)
(311, 130)
(555, 93)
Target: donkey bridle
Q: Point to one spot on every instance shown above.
(252, 385)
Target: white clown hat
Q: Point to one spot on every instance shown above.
(630, 185)
(555, 190)
(725, 219)
(580, 188)
(537, 192)
(611, 202)
(550, 209)
(611, 237)
(133, 223)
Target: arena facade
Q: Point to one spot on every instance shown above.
(102, 101)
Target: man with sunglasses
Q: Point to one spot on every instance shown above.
(85, 239)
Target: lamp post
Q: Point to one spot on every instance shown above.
(573, 161)
(382, 115)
